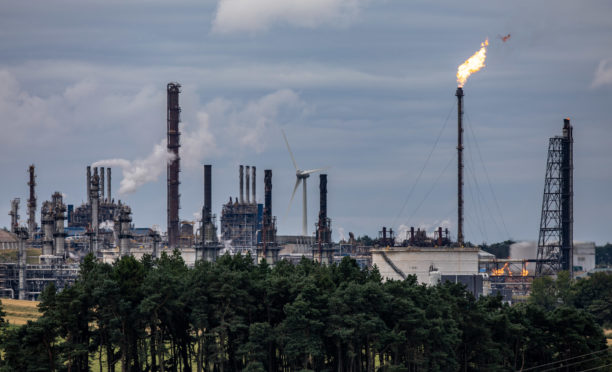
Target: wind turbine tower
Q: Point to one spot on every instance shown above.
(301, 176)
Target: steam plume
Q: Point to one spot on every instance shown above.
(140, 171)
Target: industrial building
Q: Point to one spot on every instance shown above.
(242, 217)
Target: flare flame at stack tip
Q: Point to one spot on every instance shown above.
(472, 64)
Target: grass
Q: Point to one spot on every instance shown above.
(10, 255)
(18, 312)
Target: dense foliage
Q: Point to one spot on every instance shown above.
(603, 255)
(233, 315)
(500, 250)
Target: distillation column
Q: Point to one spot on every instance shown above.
(22, 234)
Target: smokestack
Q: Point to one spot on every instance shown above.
(248, 183)
(241, 184)
(324, 225)
(88, 184)
(32, 203)
(102, 178)
(459, 95)
(268, 225)
(95, 203)
(108, 185)
(174, 110)
(207, 215)
(268, 192)
(567, 198)
(322, 197)
(253, 180)
(22, 264)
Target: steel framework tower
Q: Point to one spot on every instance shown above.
(555, 243)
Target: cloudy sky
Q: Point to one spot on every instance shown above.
(361, 86)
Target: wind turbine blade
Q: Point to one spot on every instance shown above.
(289, 148)
(314, 170)
(297, 183)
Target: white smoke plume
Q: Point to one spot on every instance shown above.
(258, 15)
(238, 126)
(603, 74)
(341, 233)
(108, 225)
(140, 171)
(525, 250)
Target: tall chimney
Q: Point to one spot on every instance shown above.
(207, 215)
(322, 197)
(88, 184)
(108, 185)
(248, 183)
(253, 180)
(102, 178)
(241, 175)
(268, 226)
(324, 225)
(95, 203)
(567, 198)
(459, 95)
(174, 110)
(32, 203)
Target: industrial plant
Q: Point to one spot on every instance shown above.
(102, 226)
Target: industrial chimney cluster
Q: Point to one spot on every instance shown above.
(240, 217)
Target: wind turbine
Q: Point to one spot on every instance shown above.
(301, 176)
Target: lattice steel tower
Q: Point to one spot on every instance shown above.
(555, 244)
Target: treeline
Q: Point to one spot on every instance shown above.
(233, 315)
(603, 255)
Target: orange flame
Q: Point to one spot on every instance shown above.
(500, 272)
(473, 64)
(524, 272)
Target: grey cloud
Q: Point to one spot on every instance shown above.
(258, 15)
